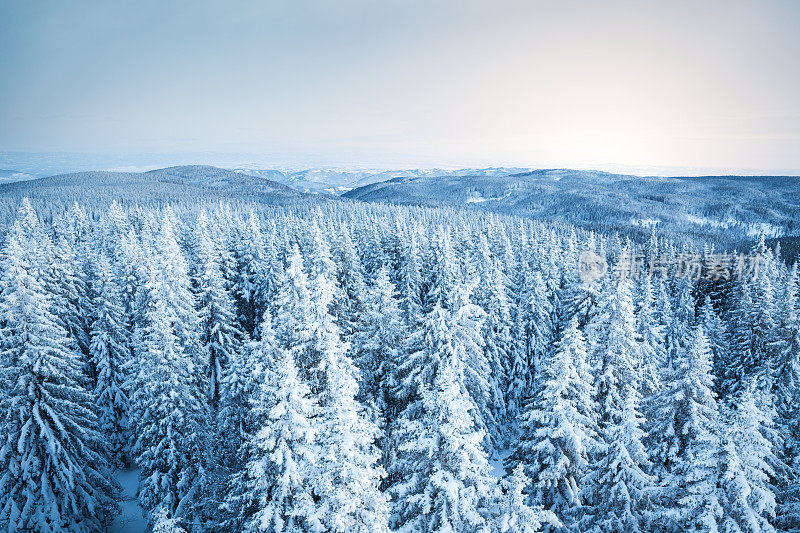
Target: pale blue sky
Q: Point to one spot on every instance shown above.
(591, 83)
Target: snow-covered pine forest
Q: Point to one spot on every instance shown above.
(345, 367)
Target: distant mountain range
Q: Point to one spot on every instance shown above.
(339, 181)
(728, 208)
(161, 185)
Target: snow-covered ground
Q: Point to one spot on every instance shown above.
(131, 519)
(496, 462)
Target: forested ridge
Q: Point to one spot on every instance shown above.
(335, 366)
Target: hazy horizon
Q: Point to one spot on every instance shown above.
(681, 88)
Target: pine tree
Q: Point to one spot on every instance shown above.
(409, 282)
(219, 336)
(557, 427)
(718, 341)
(749, 501)
(499, 345)
(653, 353)
(293, 305)
(163, 523)
(618, 488)
(377, 344)
(541, 327)
(685, 443)
(272, 493)
(346, 480)
(241, 381)
(351, 279)
(787, 397)
(54, 473)
(168, 415)
(248, 277)
(616, 351)
(441, 472)
(109, 352)
(513, 515)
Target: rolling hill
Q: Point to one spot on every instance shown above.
(159, 185)
(728, 209)
(338, 181)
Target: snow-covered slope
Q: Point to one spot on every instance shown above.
(726, 207)
(9, 176)
(339, 181)
(163, 184)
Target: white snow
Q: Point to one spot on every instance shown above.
(131, 520)
(496, 462)
(478, 198)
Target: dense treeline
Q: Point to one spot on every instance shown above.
(346, 367)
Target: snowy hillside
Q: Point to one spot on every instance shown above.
(340, 181)
(184, 183)
(729, 209)
(7, 176)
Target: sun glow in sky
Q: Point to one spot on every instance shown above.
(616, 85)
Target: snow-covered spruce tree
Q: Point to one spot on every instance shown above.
(617, 355)
(293, 307)
(272, 493)
(786, 366)
(755, 341)
(409, 282)
(718, 341)
(377, 343)
(556, 428)
(240, 383)
(133, 270)
(346, 480)
(617, 489)
(168, 412)
(248, 276)
(109, 352)
(653, 353)
(53, 470)
(444, 289)
(499, 345)
(518, 371)
(512, 513)
(66, 281)
(684, 441)
(350, 277)
(787, 398)
(219, 335)
(221, 343)
(748, 498)
(441, 479)
(164, 523)
(541, 327)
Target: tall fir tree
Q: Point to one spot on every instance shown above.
(168, 413)
(684, 441)
(219, 334)
(513, 514)
(378, 343)
(272, 492)
(441, 479)
(747, 495)
(54, 470)
(110, 356)
(557, 428)
(347, 476)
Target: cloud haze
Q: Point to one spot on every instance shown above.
(570, 83)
